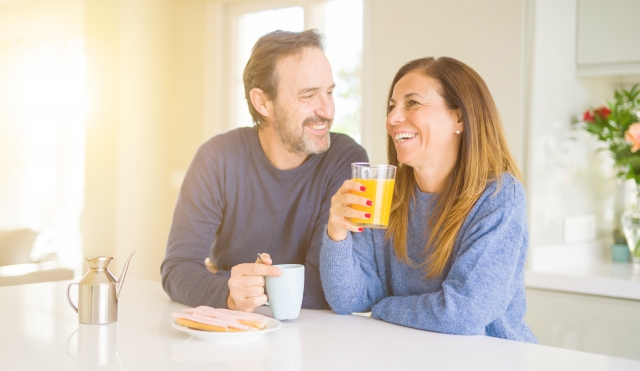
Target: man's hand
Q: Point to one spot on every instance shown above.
(246, 284)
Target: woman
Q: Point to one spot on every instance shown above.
(452, 259)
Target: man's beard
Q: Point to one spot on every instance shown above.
(300, 141)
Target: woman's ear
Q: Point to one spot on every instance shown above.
(260, 102)
(457, 115)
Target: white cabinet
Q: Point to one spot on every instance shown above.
(587, 323)
(608, 37)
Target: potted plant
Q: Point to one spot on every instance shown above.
(617, 124)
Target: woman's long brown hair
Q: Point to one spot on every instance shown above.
(483, 156)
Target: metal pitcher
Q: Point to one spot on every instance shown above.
(98, 292)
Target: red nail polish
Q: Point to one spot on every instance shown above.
(367, 215)
(369, 203)
(360, 229)
(363, 188)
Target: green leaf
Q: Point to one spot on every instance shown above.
(633, 93)
(631, 174)
(594, 128)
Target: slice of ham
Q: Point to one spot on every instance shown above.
(228, 314)
(220, 322)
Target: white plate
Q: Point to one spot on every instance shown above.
(231, 337)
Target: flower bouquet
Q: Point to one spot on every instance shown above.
(617, 124)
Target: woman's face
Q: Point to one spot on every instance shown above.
(421, 125)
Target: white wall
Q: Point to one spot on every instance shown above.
(102, 47)
(565, 176)
(143, 208)
(487, 35)
(28, 19)
(145, 79)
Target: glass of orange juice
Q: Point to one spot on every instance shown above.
(379, 181)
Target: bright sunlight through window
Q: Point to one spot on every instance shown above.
(42, 116)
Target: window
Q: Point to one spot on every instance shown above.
(343, 31)
(42, 138)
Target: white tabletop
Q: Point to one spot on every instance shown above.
(39, 330)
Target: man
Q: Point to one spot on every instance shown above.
(265, 189)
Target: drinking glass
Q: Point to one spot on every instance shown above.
(379, 180)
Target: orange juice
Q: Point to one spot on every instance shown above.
(380, 192)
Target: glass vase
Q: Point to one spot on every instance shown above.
(631, 226)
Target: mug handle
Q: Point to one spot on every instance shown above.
(69, 297)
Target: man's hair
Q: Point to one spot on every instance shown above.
(260, 71)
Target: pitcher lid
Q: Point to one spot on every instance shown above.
(98, 262)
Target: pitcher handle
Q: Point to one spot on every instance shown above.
(69, 297)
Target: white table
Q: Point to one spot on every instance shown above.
(39, 331)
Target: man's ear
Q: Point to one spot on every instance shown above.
(260, 102)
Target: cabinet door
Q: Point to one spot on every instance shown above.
(608, 32)
(587, 323)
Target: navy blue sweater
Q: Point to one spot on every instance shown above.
(234, 203)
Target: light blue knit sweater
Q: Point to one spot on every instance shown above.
(481, 291)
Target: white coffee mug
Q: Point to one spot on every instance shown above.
(285, 292)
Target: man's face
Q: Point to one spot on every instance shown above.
(304, 108)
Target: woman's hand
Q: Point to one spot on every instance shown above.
(340, 211)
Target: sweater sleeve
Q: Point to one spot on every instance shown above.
(483, 275)
(314, 297)
(196, 219)
(348, 271)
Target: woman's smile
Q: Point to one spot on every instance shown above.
(404, 137)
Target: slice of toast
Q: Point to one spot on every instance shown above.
(257, 325)
(204, 327)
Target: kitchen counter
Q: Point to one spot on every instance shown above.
(601, 278)
(581, 268)
(40, 331)
(616, 280)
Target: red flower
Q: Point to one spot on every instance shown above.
(587, 116)
(603, 112)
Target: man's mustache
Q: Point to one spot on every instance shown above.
(316, 119)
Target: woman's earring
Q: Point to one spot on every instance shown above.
(457, 131)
